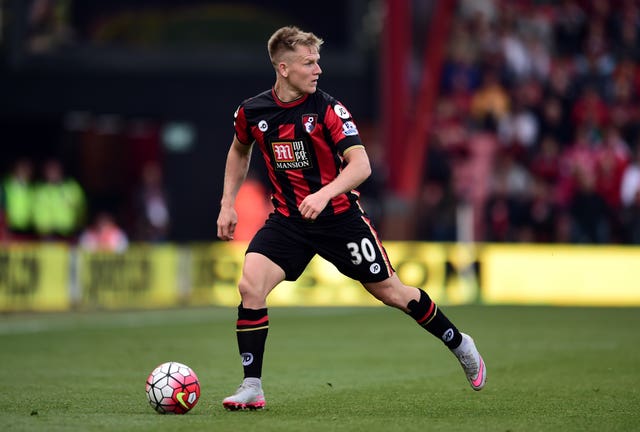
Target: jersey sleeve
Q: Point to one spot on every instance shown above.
(241, 126)
(341, 126)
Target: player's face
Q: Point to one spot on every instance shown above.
(304, 69)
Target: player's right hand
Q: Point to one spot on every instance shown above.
(227, 221)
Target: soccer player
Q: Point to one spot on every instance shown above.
(315, 160)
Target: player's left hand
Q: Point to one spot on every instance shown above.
(311, 207)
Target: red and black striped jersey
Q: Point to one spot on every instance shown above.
(302, 143)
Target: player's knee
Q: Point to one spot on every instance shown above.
(394, 299)
(248, 291)
(392, 293)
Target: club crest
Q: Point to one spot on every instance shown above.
(309, 122)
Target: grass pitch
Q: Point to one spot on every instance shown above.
(326, 369)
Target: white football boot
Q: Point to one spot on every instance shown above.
(471, 362)
(248, 396)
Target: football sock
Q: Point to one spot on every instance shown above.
(253, 382)
(427, 315)
(251, 330)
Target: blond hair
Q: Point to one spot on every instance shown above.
(285, 40)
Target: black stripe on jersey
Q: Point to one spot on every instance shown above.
(313, 176)
(286, 187)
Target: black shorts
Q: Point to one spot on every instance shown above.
(348, 240)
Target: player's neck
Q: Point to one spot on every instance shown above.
(286, 93)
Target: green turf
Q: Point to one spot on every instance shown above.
(327, 369)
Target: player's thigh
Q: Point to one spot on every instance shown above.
(356, 250)
(259, 275)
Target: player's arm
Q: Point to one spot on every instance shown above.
(357, 170)
(235, 172)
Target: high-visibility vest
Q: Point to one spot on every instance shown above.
(18, 204)
(59, 208)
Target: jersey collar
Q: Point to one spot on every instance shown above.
(293, 103)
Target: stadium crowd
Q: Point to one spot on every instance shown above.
(555, 86)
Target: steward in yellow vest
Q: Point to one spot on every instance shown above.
(16, 196)
(59, 204)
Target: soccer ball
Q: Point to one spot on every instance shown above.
(173, 388)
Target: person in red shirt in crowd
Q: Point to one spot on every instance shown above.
(104, 235)
(612, 158)
(580, 157)
(623, 108)
(590, 109)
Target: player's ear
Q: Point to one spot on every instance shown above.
(283, 69)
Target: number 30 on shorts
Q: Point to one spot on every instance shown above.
(364, 250)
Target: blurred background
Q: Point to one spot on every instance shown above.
(490, 120)
(487, 121)
(110, 88)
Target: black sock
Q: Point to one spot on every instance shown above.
(251, 330)
(427, 315)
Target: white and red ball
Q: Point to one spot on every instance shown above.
(173, 388)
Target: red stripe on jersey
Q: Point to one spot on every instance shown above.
(278, 195)
(327, 162)
(296, 177)
(328, 168)
(287, 131)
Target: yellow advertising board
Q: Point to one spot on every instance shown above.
(561, 275)
(215, 270)
(447, 272)
(34, 277)
(145, 276)
(46, 277)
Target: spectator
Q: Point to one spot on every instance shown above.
(16, 202)
(151, 206)
(104, 235)
(543, 213)
(630, 183)
(59, 204)
(581, 157)
(624, 113)
(497, 215)
(554, 122)
(518, 130)
(490, 102)
(510, 173)
(627, 42)
(630, 198)
(561, 86)
(545, 164)
(590, 110)
(509, 199)
(589, 213)
(611, 160)
(436, 213)
(595, 64)
(570, 27)
(460, 70)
